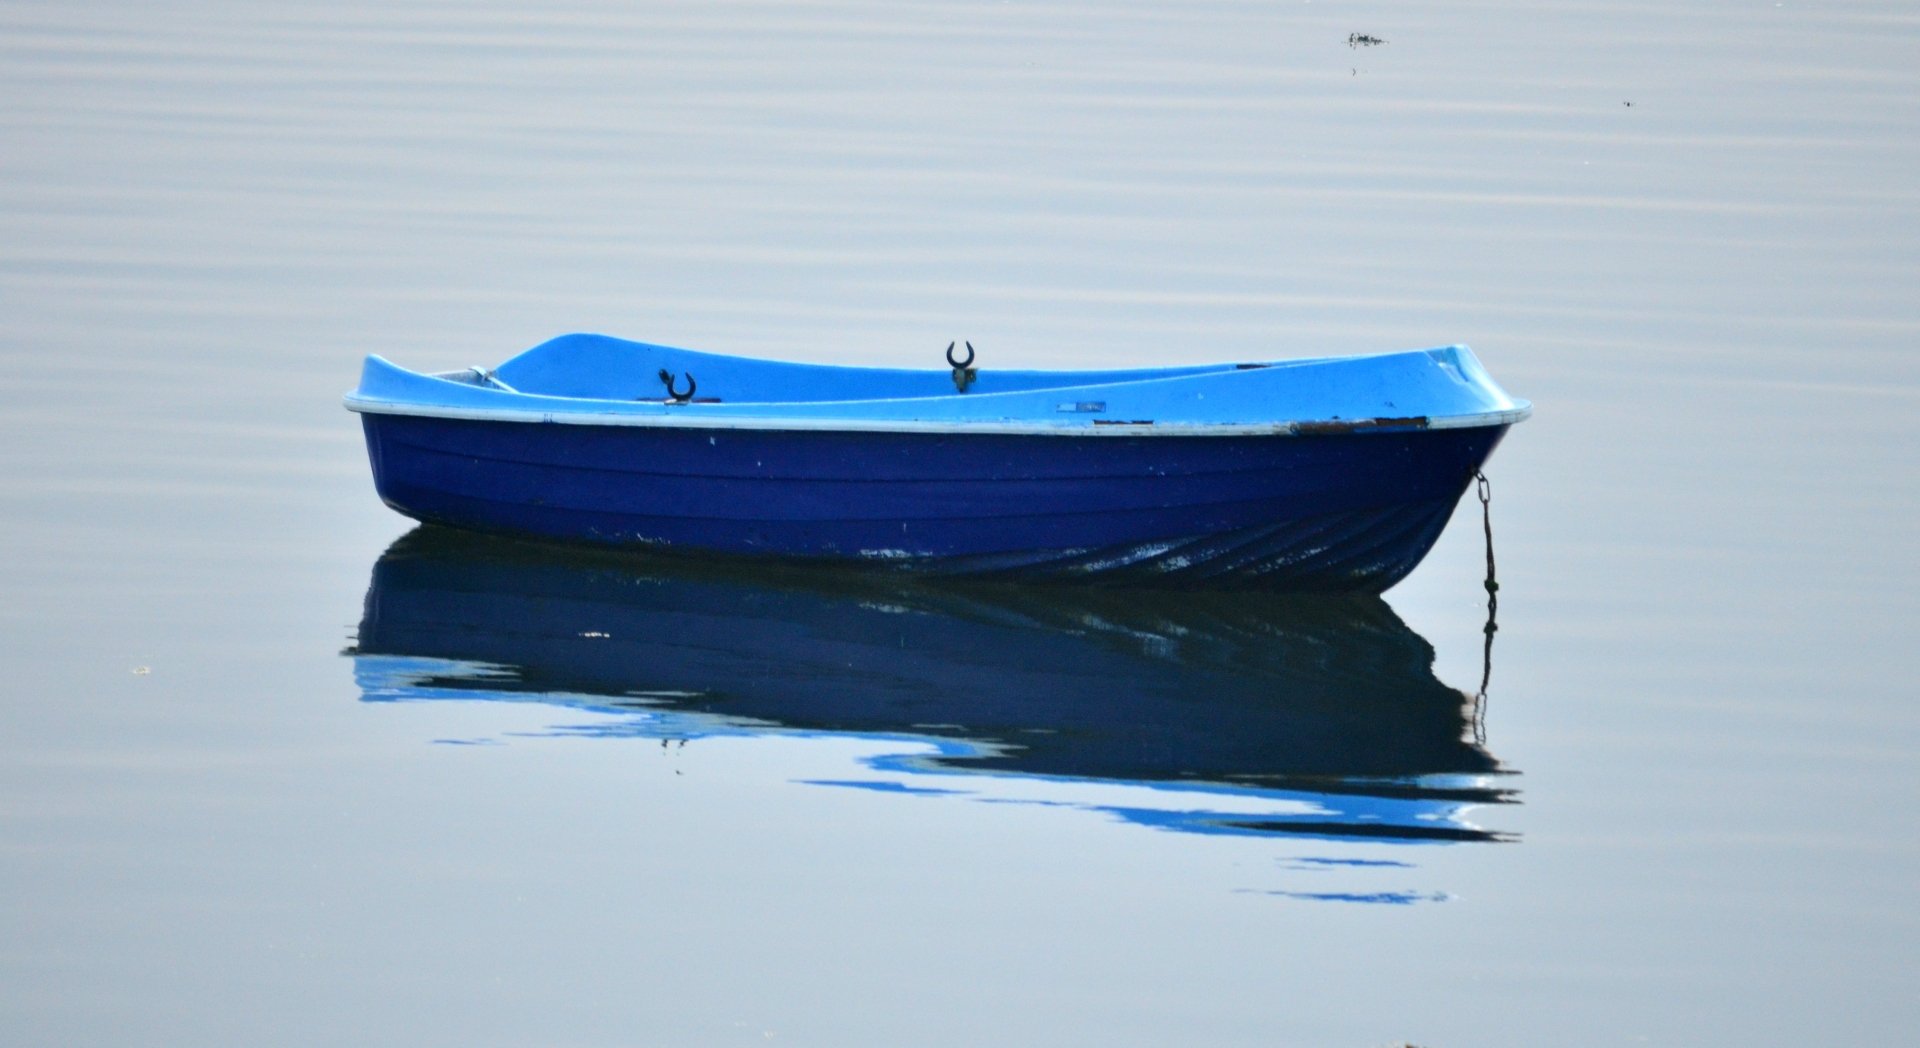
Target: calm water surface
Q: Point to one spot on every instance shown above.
(276, 769)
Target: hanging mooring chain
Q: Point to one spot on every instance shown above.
(1484, 488)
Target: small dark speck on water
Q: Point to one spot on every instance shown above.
(1357, 40)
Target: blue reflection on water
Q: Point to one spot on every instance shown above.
(1224, 714)
(1386, 898)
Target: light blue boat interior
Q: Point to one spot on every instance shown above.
(585, 376)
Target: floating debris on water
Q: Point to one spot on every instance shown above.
(1357, 40)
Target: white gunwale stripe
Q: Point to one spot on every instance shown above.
(691, 417)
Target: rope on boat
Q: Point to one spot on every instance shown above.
(1484, 489)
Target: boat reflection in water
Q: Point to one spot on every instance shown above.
(1238, 713)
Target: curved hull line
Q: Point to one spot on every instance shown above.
(1317, 474)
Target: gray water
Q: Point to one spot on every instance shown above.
(1691, 237)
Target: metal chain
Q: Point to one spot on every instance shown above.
(1484, 488)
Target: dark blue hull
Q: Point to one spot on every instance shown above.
(1340, 511)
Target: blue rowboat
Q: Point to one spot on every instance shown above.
(1328, 474)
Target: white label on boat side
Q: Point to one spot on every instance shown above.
(1083, 406)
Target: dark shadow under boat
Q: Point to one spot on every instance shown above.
(1239, 712)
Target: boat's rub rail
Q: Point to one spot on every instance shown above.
(1052, 427)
